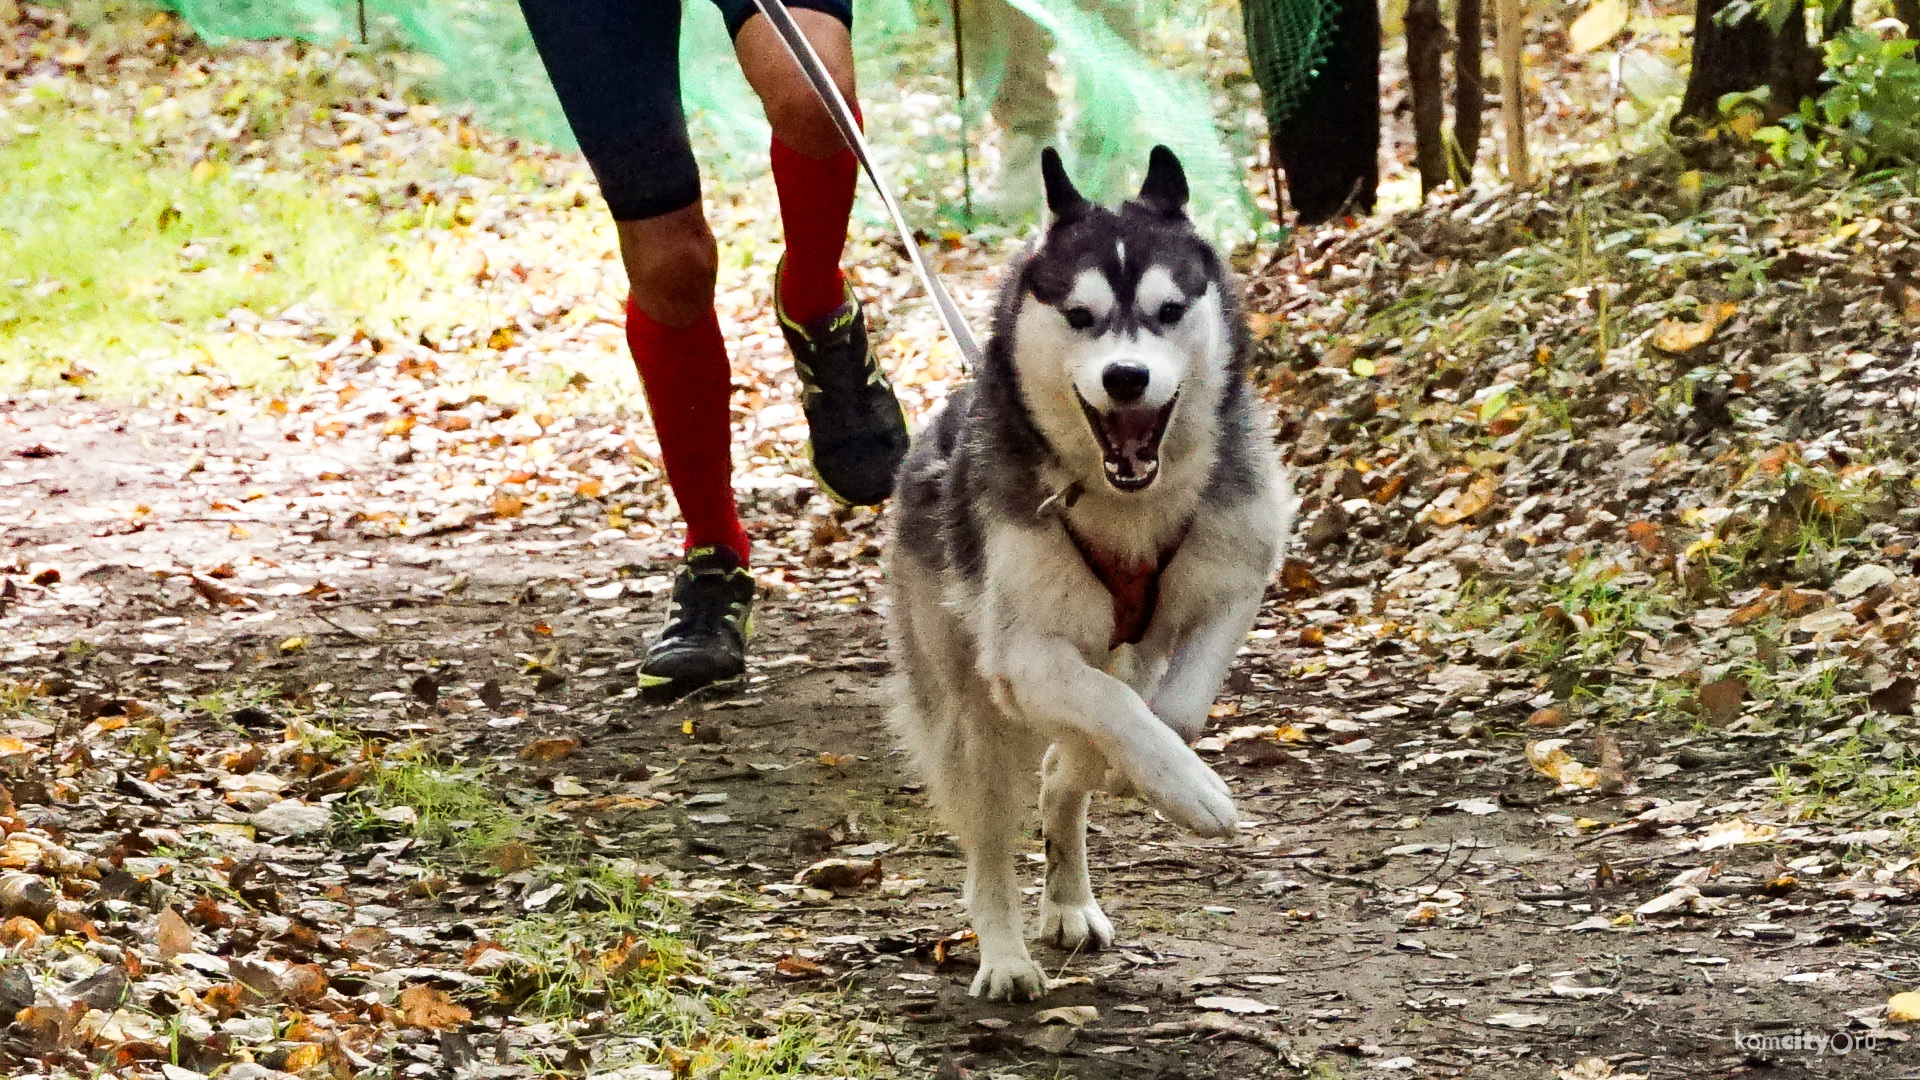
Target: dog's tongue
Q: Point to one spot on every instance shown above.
(1133, 439)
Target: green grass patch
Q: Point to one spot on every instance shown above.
(451, 805)
(1866, 769)
(115, 261)
(615, 948)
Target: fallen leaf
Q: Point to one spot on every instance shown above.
(173, 936)
(796, 968)
(1904, 1008)
(1074, 1015)
(1673, 898)
(1474, 499)
(20, 931)
(1597, 25)
(1297, 577)
(1567, 989)
(1721, 699)
(553, 749)
(1517, 1020)
(1677, 336)
(1551, 716)
(1237, 1005)
(1550, 758)
(840, 875)
(434, 1010)
(1612, 771)
(1729, 833)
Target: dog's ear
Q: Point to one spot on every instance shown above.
(1062, 197)
(1165, 189)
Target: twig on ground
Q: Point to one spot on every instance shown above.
(1341, 879)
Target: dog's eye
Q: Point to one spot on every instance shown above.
(1078, 317)
(1171, 311)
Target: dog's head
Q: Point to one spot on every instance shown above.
(1122, 337)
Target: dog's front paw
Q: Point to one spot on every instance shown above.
(1195, 798)
(1075, 926)
(1205, 813)
(1009, 978)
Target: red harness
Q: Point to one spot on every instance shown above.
(1134, 586)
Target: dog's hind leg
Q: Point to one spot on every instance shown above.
(978, 771)
(1069, 915)
(989, 829)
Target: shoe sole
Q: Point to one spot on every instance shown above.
(657, 690)
(835, 495)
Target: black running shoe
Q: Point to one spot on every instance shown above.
(857, 430)
(708, 626)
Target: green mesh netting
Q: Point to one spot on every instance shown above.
(484, 56)
(1286, 42)
(1122, 105)
(1119, 104)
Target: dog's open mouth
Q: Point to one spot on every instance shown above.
(1130, 441)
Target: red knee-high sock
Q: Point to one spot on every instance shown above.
(816, 198)
(688, 382)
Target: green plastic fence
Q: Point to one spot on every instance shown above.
(1121, 102)
(1286, 41)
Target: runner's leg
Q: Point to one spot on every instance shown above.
(615, 65)
(813, 170)
(856, 430)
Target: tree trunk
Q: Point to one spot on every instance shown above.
(1908, 11)
(1425, 36)
(1509, 31)
(1748, 55)
(1469, 94)
(1329, 146)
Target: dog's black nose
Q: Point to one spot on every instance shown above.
(1125, 381)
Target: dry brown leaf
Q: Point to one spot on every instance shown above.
(344, 778)
(1676, 336)
(426, 1007)
(303, 1057)
(796, 967)
(1751, 612)
(173, 936)
(20, 931)
(1551, 716)
(1297, 577)
(1721, 699)
(25, 894)
(1613, 765)
(552, 749)
(512, 856)
(1474, 499)
(1550, 758)
(840, 875)
(225, 1000)
(304, 985)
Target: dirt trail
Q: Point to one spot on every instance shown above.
(1407, 898)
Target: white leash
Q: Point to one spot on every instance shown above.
(816, 73)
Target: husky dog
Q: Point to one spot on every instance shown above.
(1081, 542)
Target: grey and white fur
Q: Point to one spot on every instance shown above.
(1112, 415)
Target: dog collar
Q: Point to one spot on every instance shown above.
(1133, 585)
